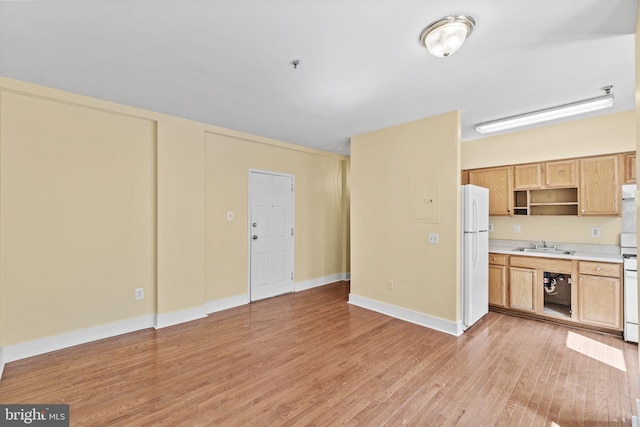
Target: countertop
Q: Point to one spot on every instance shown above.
(583, 252)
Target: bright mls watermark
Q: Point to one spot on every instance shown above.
(34, 415)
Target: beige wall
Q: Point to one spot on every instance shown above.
(637, 111)
(180, 215)
(97, 199)
(346, 214)
(76, 216)
(611, 133)
(637, 117)
(389, 241)
(318, 210)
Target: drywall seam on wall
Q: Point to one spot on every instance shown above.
(75, 104)
(280, 144)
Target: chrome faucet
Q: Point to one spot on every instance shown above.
(544, 245)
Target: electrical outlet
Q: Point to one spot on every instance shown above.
(595, 231)
(389, 284)
(139, 293)
(434, 238)
(516, 228)
(229, 215)
(490, 228)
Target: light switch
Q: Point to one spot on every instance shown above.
(434, 238)
(229, 215)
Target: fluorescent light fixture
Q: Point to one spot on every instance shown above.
(445, 36)
(553, 113)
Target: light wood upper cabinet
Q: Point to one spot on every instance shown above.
(499, 181)
(563, 173)
(557, 174)
(464, 177)
(579, 186)
(600, 185)
(629, 168)
(527, 176)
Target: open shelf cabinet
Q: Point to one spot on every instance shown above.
(556, 201)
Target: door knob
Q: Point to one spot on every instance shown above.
(254, 237)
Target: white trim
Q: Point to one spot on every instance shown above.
(431, 322)
(176, 317)
(80, 336)
(320, 281)
(1, 362)
(227, 303)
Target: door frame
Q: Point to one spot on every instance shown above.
(293, 221)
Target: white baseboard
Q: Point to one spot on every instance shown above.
(321, 281)
(169, 319)
(227, 303)
(82, 336)
(69, 339)
(431, 322)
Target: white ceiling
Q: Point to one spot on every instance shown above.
(362, 68)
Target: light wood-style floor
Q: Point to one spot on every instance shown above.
(312, 359)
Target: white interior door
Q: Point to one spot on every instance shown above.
(270, 235)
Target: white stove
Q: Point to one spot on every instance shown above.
(631, 298)
(629, 250)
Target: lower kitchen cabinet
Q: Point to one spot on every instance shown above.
(600, 294)
(522, 288)
(498, 279)
(585, 293)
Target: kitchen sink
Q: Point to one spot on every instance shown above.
(552, 250)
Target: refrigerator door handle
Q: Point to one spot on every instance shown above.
(475, 249)
(476, 214)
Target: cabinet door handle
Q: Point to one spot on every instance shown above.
(597, 268)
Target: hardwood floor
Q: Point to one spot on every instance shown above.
(312, 359)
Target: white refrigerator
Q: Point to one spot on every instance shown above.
(475, 254)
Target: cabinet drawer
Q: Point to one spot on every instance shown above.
(498, 259)
(599, 268)
(546, 264)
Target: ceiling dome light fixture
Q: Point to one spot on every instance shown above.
(445, 36)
